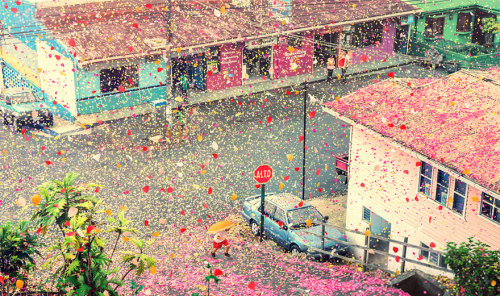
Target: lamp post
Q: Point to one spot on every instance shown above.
(168, 64)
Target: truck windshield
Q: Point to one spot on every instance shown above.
(299, 217)
(25, 97)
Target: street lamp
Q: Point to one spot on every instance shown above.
(304, 146)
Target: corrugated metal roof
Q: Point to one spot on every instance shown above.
(113, 29)
(455, 121)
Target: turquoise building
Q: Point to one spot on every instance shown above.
(114, 63)
(464, 31)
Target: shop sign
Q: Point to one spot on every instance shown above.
(270, 41)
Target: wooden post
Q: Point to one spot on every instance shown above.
(365, 252)
(403, 256)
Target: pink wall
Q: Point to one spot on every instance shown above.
(381, 51)
(231, 61)
(303, 57)
(385, 179)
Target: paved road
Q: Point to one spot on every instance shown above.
(243, 133)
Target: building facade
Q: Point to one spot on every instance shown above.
(105, 56)
(463, 31)
(424, 165)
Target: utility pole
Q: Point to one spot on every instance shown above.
(167, 57)
(304, 146)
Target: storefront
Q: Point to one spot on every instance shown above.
(224, 66)
(326, 44)
(258, 59)
(193, 66)
(294, 55)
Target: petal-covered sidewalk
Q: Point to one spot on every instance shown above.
(252, 269)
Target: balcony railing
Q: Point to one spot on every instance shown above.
(468, 55)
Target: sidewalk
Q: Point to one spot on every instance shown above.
(332, 206)
(82, 122)
(317, 75)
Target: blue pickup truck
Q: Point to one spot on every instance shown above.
(286, 223)
(21, 107)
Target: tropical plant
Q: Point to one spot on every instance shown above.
(81, 265)
(210, 276)
(490, 25)
(476, 267)
(18, 247)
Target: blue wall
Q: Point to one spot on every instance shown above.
(113, 101)
(90, 99)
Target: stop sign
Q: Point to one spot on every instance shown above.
(263, 174)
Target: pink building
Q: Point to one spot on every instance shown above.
(424, 162)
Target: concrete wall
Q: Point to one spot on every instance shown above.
(385, 180)
(57, 78)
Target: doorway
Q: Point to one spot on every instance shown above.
(401, 40)
(325, 45)
(257, 62)
(381, 227)
(193, 67)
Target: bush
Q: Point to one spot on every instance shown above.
(17, 250)
(476, 268)
(82, 267)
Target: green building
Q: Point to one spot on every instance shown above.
(464, 31)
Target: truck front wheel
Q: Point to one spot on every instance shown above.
(18, 125)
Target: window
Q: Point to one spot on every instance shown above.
(366, 214)
(443, 182)
(433, 257)
(116, 79)
(367, 34)
(434, 26)
(269, 209)
(459, 196)
(213, 59)
(490, 207)
(446, 190)
(295, 40)
(464, 22)
(425, 179)
(279, 215)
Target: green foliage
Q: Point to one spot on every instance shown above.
(491, 25)
(81, 265)
(476, 268)
(17, 249)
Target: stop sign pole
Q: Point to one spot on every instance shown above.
(262, 174)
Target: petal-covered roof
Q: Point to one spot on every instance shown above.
(455, 120)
